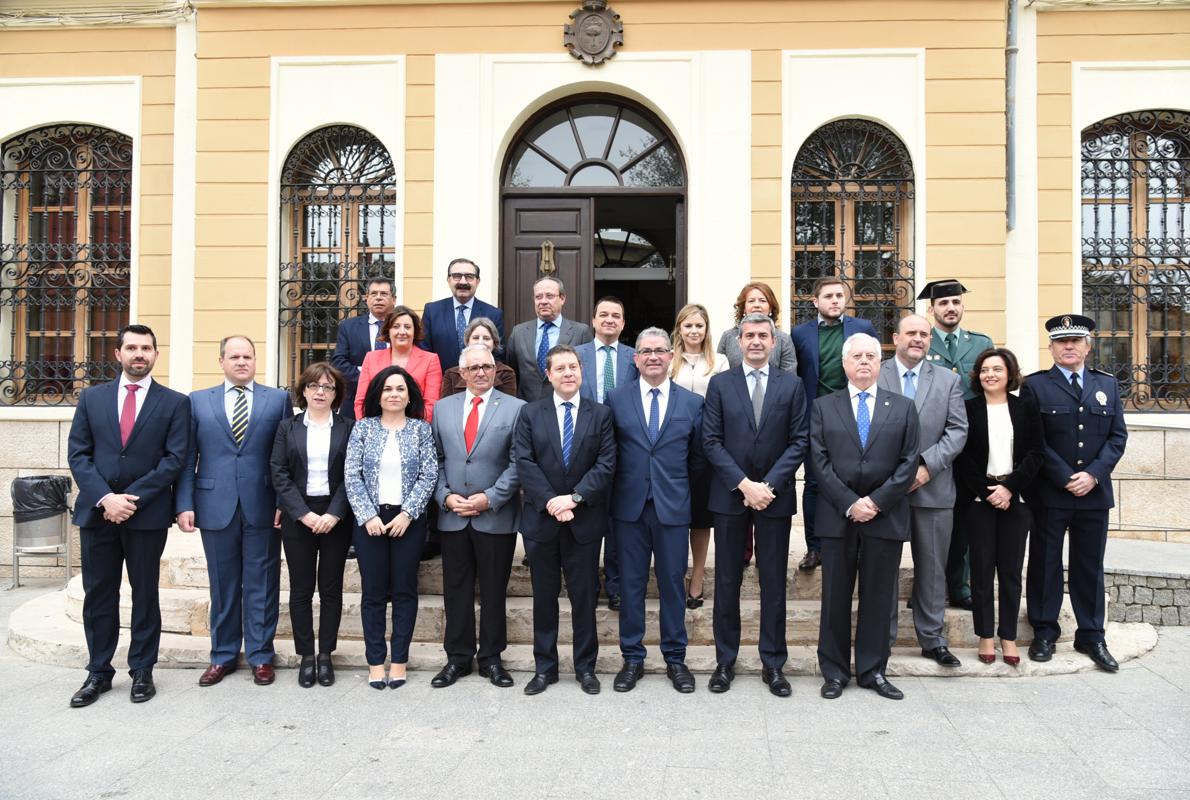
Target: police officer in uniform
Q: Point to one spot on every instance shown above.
(1083, 422)
(955, 349)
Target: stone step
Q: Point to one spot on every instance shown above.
(41, 630)
(186, 611)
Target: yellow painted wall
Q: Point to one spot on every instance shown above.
(98, 52)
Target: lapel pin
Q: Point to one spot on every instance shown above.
(1101, 397)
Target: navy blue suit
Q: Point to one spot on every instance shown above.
(1083, 432)
(651, 510)
(439, 334)
(229, 488)
(353, 343)
(148, 467)
(805, 344)
(737, 447)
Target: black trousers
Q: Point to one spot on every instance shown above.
(315, 559)
(1088, 540)
(106, 548)
(997, 551)
(579, 562)
(772, 563)
(877, 563)
(466, 555)
(388, 572)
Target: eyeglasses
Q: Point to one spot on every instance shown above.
(329, 388)
(474, 368)
(653, 351)
(463, 276)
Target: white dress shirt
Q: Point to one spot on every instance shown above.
(139, 394)
(561, 412)
(999, 439)
(853, 392)
(318, 456)
(390, 492)
(229, 397)
(467, 307)
(483, 407)
(646, 398)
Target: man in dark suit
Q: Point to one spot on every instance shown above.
(1082, 420)
(358, 336)
(819, 344)
(658, 432)
(864, 444)
(532, 339)
(607, 363)
(127, 447)
(443, 321)
(226, 490)
(566, 456)
(755, 440)
(479, 494)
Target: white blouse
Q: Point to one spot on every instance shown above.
(693, 373)
(999, 439)
(318, 457)
(390, 472)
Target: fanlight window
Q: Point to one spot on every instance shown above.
(338, 209)
(65, 256)
(596, 144)
(1136, 253)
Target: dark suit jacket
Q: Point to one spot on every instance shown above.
(288, 465)
(736, 448)
(664, 469)
(537, 444)
(971, 467)
(805, 344)
(147, 467)
(1084, 433)
(439, 334)
(884, 470)
(352, 344)
(522, 355)
(592, 364)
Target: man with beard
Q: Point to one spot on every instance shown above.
(443, 321)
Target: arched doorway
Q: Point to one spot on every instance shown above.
(594, 190)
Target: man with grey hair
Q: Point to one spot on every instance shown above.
(478, 492)
(532, 339)
(754, 437)
(864, 447)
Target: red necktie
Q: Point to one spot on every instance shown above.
(128, 413)
(471, 429)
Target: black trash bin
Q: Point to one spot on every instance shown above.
(40, 504)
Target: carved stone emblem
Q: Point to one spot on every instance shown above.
(594, 33)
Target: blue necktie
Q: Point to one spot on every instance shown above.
(461, 325)
(567, 432)
(863, 422)
(544, 347)
(654, 416)
(910, 386)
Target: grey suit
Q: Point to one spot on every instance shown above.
(521, 352)
(482, 545)
(942, 418)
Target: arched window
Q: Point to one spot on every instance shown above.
(1136, 253)
(852, 195)
(65, 255)
(338, 217)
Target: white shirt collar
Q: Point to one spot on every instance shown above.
(645, 388)
(309, 423)
(902, 368)
(487, 398)
(372, 320)
(248, 387)
(853, 390)
(468, 305)
(748, 369)
(600, 345)
(556, 322)
(143, 383)
(558, 401)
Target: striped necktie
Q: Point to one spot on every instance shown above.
(567, 433)
(239, 415)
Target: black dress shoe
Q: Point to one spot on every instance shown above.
(496, 673)
(588, 682)
(942, 655)
(721, 678)
(629, 674)
(680, 676)
(89, 692)
(449, 674)
(306, 672)
(613, 602)
(326, 670)
(1041, 650)
(1098, 653)
(776, 682)
(540, 681)
(965, 603)
(882, 687)
(143, 689)
(832, 689)
(811, 561)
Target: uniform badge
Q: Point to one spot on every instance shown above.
(1101, 397)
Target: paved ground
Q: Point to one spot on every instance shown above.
(1084, 735)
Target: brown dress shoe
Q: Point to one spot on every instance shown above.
(215, 673)
(263, 674)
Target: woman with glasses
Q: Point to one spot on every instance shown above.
(480, 330)
(307, 471)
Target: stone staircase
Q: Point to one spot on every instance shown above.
(49, 628)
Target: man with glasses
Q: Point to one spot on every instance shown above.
(358, 336)
(443, 321)
(530, 341)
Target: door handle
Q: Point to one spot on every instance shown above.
(547, 258)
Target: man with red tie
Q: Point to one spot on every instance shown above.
(127, 447)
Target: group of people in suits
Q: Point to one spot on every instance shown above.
(583, 443)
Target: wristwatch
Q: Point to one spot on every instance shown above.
(576, 498)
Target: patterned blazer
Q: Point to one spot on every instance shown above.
(419, 467)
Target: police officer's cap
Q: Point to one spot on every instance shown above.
(1068, 326)
(936, 290)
